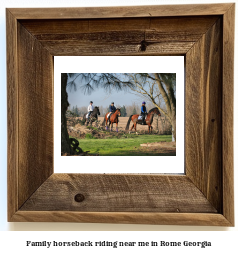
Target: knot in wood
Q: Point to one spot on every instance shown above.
(79, 198)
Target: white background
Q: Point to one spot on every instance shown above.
(125, 64)
(15, 241)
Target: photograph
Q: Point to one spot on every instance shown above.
(118, 114)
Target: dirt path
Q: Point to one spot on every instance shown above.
(162, 148)
(123, 122)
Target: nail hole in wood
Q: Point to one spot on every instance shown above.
(79, 198)
(213, 120)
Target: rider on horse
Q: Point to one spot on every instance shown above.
(112, 110)
(143, 112)
(90, 109)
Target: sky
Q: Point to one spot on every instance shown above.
(102, 98)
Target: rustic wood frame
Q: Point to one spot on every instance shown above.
(203, 33)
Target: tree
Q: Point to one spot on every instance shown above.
(123, 111)
(134, 111)
(83, 110)
(76, 111)
(65, 144)
(101, 110)
(167, 86)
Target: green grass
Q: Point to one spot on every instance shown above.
(89, 136)
(128, 145)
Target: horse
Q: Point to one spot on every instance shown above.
(148, 120)
(93, 117)
(113, 119)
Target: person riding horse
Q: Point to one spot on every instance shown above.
(92, 115)
(149, 119)
(143, 112)
(90, 109)
(112, 110)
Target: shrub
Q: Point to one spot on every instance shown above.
(89, 136)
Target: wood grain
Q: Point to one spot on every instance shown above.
(197, 219)
(119, 36)
(114, 193)
(12, 114)
(121, 12)
(36, 114)
(177, 25)
(59, 48)
(227, 113)
(204, 113)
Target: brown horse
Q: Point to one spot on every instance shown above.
(148, 120)
(112, 119)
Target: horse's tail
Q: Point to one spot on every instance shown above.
(104, 120)
(128, 123)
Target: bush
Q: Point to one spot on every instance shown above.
(89, 136)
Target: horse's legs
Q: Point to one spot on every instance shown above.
(132, 127)
(106, 124)
(111, 126)
(117, 126)
(150, 128)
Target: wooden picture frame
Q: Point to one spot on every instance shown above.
(204, 34)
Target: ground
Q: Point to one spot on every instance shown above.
(95, 140)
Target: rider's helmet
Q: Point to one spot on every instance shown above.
(91, 102)
(112, 103)
(143, 102)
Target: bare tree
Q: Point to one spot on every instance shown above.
(167, 86)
